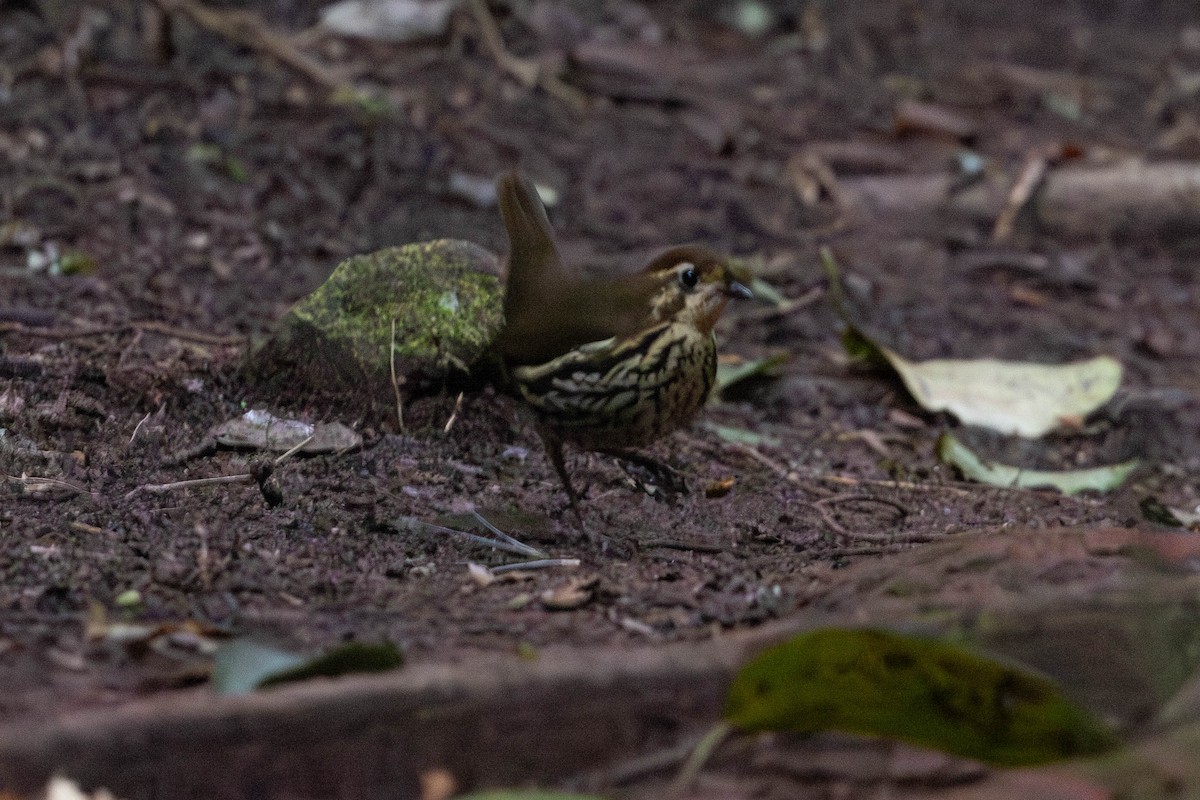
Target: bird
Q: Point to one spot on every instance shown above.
(605, 364)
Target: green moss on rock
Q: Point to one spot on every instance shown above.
(444, 298)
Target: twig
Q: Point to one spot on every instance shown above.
(138, 427)
(789, 306)
(454, 414)
(696, 761)
(779, 469)
(248, 29)
(863, 498)
(527, 72)
(507, 544)
(542, 563)
(896, 539)
(34, 485)
(296, 448)
(396, 381)
(502, 536)
(199, 337)
(822, 507)
(162, 488)
(1022, 190)
(640, 766)
(849, 480)
(828, 518)
(893, 545)
(679, 544)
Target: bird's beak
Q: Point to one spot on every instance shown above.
(736, 289)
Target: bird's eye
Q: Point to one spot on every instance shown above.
(689, 277)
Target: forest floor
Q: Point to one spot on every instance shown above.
(189, 200)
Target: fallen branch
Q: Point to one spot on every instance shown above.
(1134, 197)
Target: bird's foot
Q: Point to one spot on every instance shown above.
(659, 480)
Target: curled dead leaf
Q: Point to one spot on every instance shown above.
(720, 487)
(571, 595)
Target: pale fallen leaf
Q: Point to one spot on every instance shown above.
(571, 595)
(390, 20)
(1012, 397)
(1100, 479)
(60, 788)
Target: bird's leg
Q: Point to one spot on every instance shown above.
(662, 474)
(554, 449)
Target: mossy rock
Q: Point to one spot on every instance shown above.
(444, 297)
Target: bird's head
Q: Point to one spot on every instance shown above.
(694, 284)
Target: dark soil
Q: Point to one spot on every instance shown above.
(211, 190)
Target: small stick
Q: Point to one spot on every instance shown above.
(779, 469)
(295, 449)
(823, 505)
(396, 381)
(513, 546)
(827, 517)
(527, 72)
(162, 488)
(36, 485)
(679, 544)
(249, 30)
(862, 498)
(847, 480)
(138, 427)
(504, 537)
(454, 414)
(642, 766)
(696, 761)
(896, 539)
(1032, 174)
(542, 563)
(200, 337)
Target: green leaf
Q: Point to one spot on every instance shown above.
(837, 293)
(76, 262)
(863, 349)
(1012, 397)
(729, 374)
(1153, 510)
(1100, 479)
(243, 666)
(921, 691)
(742, 435)
(345, 660)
